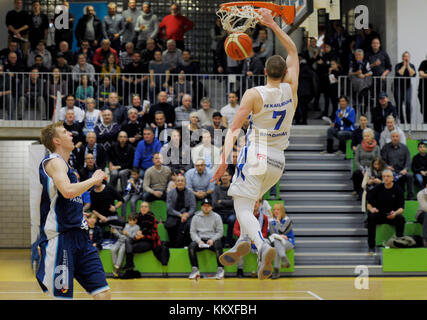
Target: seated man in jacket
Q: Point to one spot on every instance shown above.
(120, 160)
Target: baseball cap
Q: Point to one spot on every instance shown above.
(206, 201)
(383, 95)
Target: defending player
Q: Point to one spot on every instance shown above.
(261, 162)
(66, 251)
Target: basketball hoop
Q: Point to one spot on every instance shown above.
(241, 16)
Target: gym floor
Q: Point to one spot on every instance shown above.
(17, 282)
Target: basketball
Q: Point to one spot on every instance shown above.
(238, 46)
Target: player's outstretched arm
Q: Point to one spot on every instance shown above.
(57, 170)
(292, 60)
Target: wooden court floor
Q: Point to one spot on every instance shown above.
(17, 282)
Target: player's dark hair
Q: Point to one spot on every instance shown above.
(276, 67)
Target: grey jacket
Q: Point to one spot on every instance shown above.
(206, 226)
(364, 158)
(129, 28)
(397, 157)
(131, 230)
(151, 26)
(190, 202)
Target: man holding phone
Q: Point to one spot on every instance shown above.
(385, 205)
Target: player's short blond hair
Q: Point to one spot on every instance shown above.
(48, 133)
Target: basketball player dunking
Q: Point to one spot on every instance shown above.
(65, 249)
(261, 162)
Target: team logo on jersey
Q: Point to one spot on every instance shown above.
(261, 156)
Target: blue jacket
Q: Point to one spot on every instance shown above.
(144, 154)
(346, 123)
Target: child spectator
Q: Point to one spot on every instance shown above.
(92, 116)
(84, 91)
(119, 248)
(281, 237)
(133, 190)
(105, 89)
(419, 165)
(94, 231)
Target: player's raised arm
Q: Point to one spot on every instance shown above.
(292, 61)
(57, 170)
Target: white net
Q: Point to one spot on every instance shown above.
(238, 19)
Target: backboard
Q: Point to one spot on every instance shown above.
(303, 9)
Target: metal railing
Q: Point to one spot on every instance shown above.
(33, 96)
(408, 95)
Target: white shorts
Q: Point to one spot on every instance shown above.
(257, 170)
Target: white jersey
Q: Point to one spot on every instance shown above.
(272, 125)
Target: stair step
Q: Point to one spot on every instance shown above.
(310, 166)
(331, 231)
(291, 186)
(317, 196)
(323, 202)
(304, 138)
(322, 208)
(316, 175)
(311, 156)
(330, 244)
(331, 221)
(306, 147)
(336, 258)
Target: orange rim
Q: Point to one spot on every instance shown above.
(286, 12)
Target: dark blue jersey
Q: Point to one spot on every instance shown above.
(58, 214)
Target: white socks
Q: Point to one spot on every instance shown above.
(249, 224)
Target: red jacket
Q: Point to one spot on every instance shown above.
(264, 229)
(175, 26)
(98, 57)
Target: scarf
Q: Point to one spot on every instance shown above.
(369, 147)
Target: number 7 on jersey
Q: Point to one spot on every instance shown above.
(282, 115)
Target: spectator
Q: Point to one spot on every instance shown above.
(217, 130)
(89, 28)
(357, 135)
(194, 130)
(172, 56)
(217, 33)
(156, 180)
(366, 152)
(181, 87)
(134, 78)
(312, 53)
(182, 113)
(198, 180)
(147, 26)
(253, 69)
(67, 54)
(340, 42)
(92, 116)
(38, 64)
(145, 151)
(111, 68)
(206, 232)
(422, 88)
(159, 73)
(75, 129)
(17, 22)
(322, 66)
(381, 112)
(361, 80)
(263, 221)
(146, 239)
(281, 237)
(189, 66)
(134, 189)
(119, 248)
(162, 105)
(126, 55)
(364, 40)
(181, 205)
(342, 127)
(84, 91)
(372, 178)
(419, 165)
(102, 54)
(62, 65)
(161, 130)
(130, 17)
(113, 27)
(385, 205)
(94, 231)
(12, 47)
(32, 103)
(85, 50)
(390, 127)
(133, 127)
(175, 25)
(107, 130)
(6, 98)
(141, 108)
(119, 112)
(70, 105)
(306, 91)
(379, 62)
(177, 155)
(223, 205)
(263, 46)
(229, 111)
(422, 211)
(120, 160)
(398, 160)
(403, 88)
(147, 54)
(83, 67)
(38, 23)
(94, 148)
(103, 203)
(40, 50)
(104, 90)
(89, 167)
(208, 152)
(65, 34)
(206, 113)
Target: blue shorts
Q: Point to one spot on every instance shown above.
(70, 255)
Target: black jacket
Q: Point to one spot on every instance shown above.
(81, 28)
(121, 156)
(419, 163)
(100, 159)
(379, 116)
